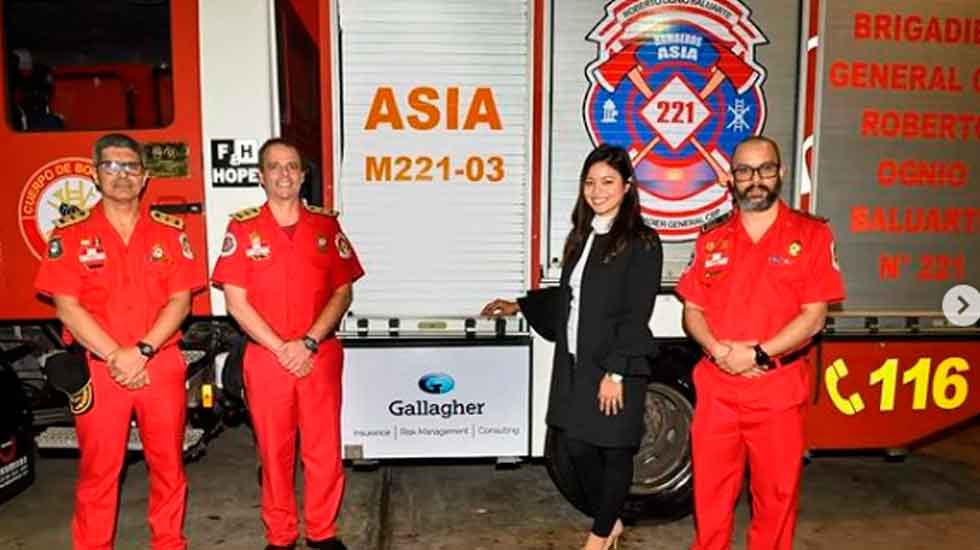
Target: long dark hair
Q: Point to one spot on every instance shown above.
(628, 224)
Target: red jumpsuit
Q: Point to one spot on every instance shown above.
(289, 280)
(124, 287)
(749, 292)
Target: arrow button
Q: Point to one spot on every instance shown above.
(961, 305)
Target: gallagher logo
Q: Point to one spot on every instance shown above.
(676, 84)
(437, 383)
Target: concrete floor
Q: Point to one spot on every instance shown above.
(930, 501)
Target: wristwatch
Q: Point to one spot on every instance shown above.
(311, 344)
(762, 358)
(146, 350)
(615, 377)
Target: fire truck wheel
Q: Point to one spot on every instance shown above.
(663, 486)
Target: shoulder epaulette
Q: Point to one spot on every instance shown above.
(167, 219)
(320, 210)
(71, 218)
(246, 214)
(717, 222)
(808, 215)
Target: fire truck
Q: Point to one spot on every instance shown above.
(448, 134)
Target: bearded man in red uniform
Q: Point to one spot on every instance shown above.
(755, 294)
(287, 271)
(121, 278)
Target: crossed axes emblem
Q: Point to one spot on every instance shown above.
(624, 65)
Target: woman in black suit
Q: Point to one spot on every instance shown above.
(598, 318)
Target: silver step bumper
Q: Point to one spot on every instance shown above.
(64, 437)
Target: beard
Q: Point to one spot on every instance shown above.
(747, 203)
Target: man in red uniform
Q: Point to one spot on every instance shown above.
(756, 292)
(121, 278)
(287, 272)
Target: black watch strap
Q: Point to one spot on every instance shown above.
(311, 344)
(762, 358)
(146, 350)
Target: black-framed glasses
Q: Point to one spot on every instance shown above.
(115, 167)
(765, 170)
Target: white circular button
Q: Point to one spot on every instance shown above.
(961, 305)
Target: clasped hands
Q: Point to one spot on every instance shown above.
(295, 358)
(736, 358)
(127, 366)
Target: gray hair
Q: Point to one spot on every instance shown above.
(121, 141)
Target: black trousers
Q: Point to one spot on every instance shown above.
(605, 474)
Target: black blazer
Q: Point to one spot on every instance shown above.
(616, 302)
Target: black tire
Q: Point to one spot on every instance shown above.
(662, 487)
(663, 484)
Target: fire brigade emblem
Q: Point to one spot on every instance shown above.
(258, 249)
(343, 246)
(55, 248)
(58, 188)
(229, 245)
(677, 85)
(157, 254)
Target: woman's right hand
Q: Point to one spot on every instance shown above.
(500, 308)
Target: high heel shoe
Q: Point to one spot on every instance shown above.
(612, 541)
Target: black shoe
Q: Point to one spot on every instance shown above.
(277, 547)
(333, 543)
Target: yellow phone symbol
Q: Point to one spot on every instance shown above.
(850, 405)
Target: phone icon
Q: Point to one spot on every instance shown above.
(849, 405)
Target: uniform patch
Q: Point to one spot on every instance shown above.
(795, 248)
(92, 254)
(343, 246)
(322, 243)
(166, 219)
(185, 247)
(55, 248)
(320, 210)
(246, 214)
(229, 245)
(258, 250)
(157, 253)
(716, 259)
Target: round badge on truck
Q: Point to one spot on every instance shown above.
(678, 87)
(55, 189)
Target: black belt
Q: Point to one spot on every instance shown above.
(791, 357)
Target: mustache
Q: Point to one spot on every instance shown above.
(758, 186)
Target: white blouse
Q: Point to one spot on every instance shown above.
(600, 226)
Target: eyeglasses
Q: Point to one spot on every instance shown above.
(765, 170)
(115, 167)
